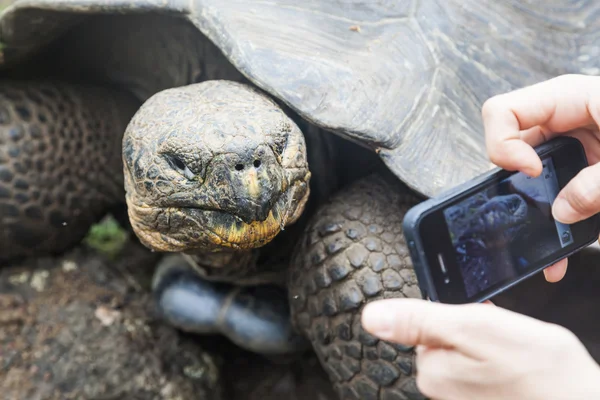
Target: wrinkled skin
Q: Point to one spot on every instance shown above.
(216, 170)
(228, 170)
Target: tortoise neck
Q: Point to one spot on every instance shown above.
(239, 267)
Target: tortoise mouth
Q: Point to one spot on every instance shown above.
(253, 211)
(233, 230)
(186, 228)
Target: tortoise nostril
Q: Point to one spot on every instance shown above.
(240, 166)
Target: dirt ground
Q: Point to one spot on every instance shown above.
(82, 327)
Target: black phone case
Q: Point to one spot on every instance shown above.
(413, 218)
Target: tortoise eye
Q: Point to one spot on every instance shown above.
(279, 146)
(179, 165)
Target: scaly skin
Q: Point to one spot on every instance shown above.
(213, 166)
(354, 252)
(59, 163)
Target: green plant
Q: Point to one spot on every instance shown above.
(107, 237)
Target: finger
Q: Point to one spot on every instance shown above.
(489, 302)
(557, 105)
(472, 329)
(442, 373)
(557, 271)
(587, 135)
(505, 147)
(590, 139)
(536, 135)
(580, 198)
(412, 322)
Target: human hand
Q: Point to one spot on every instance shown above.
(517, 121)
(479, 351)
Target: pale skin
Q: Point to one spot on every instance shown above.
(478, 351)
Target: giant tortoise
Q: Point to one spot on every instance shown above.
(272, 146)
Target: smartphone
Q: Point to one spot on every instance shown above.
(486, 235)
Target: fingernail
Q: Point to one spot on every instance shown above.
(378, 320)
(563, 212)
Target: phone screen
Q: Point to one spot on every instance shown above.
(497, 230)
(503, 232)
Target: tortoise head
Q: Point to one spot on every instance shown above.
(213, 165)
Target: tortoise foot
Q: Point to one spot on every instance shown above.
(353, 252)
(60, 163)
(256, 318)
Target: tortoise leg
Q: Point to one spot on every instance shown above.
(354, 252)
(256, 318)
(60, 163)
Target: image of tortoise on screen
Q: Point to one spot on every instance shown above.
(499, 233)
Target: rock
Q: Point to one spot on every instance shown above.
(82, 327)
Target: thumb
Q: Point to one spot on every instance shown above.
(413, 322)
(580, 199)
